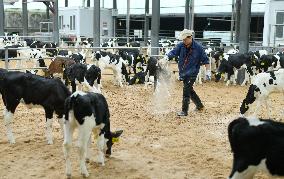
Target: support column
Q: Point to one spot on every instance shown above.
(128, 20)
(244, 34)
(25, 17)
(186, 18)
(245, 24)
(146, 22)
(155, 27)
(55, 23)
(1, 18)
(97, 27)
(114, 17)
(191, 17)
(237, 23)
(232, 21)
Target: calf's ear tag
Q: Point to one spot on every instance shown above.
(137, 80)
(115, 139)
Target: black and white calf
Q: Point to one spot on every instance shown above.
(30, 89)
(257, 144)
(12, 51)
(89, 113)
(231, 64)
(263, 84)
(49, 49)
(79, 57)
(84, 75)
(34, 55)
(133, 59)
(114, 62)
(270, 62)
(157, 73)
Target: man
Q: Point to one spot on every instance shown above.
(190, 56)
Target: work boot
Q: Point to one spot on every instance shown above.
(185, 103)
(196, 100)
(199, 108)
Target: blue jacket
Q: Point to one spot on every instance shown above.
(197, 57)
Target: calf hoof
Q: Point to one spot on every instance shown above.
(85, 175)
(12, 141)
(68, 176)
(87, 160)
(50, 142)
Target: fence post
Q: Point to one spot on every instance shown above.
(6, 58)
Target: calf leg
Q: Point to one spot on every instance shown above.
(241, 170)
(88, 155)
(61, 122)
(8, 118)
(101, 144)
(67, 144)
(246, 79)
(48, 116)
(84, 134)
(267, 104)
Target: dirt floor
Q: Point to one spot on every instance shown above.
(155, 144)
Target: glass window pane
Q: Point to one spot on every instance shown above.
(279, 20)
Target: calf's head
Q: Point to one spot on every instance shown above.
(114, 137)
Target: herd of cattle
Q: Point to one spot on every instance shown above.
(255, 143)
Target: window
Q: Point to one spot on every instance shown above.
(71, 23)
(60, 22)
(74, 22)
(279, 20)
(105, 32)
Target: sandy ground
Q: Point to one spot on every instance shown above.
(155, 144)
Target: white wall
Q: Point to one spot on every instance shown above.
(84, 21)
(270, 20)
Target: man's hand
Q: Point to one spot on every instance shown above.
(208, 74)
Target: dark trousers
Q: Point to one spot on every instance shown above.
(189, 93)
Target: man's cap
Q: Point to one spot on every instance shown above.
(185, 33)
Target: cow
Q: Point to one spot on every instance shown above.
(12, 51)
(256, 144)
(157, 73)
(132, 58)
(49, 49)
(110, 43)
(58, 65)
(31, 89)
(115, 62)
(230, 65)
(269, 62)
(64, 53)
(34, 55)
(83, 74)
(151, 72)
(89, 113)
(263, 84)
(139, 77)
(79, 57)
